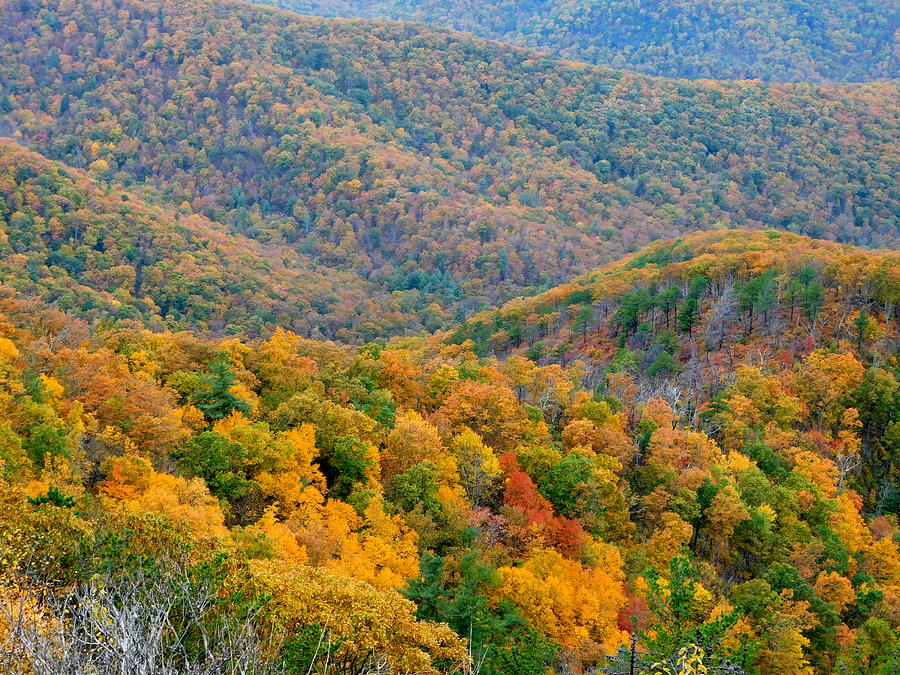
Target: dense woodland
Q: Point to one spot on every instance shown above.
(447, 504)
(456, 171)
(340, 347)
(779, 40)
(101, 252)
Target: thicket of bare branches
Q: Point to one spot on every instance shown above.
(133, 624)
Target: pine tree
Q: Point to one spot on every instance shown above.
(216, 400)
(813, 299)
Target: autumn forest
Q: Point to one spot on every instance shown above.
(543, 338)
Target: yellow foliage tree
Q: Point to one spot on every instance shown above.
(359, 625)
(821, 471)
(575, 606)
(297, 486)
(883, 561)
(672, 533)
(725, 512)
(132, 481)
(382, 553)
(849, 525)
(412, 440)
(479, 468)
(836, 589)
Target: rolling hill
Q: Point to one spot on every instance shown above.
(640, 299)
(454, 171)
(295, 504)
(779, 40)
(100, 252)
(341, 346)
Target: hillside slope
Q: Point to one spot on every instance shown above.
(102, 253)
(681, 315)
(680, 318)
(828, 40)
(309, 507)
(453, 170)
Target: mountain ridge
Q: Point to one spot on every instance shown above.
(437, 165)
(100, 251)
(772, 40)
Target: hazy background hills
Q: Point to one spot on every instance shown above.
(779, 40)
(455, 172)
(101, 252)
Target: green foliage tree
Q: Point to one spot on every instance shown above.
(875, 650)
(501, 640)
(417, 486)
(219, 461)
(677, 621)
(45, 439)
(578, 488)
(216, 400)
(348, 464)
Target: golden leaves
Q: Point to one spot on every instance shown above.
(356, 620)
(575, 606)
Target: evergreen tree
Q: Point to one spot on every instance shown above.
(690, 310)
(53, 496)
(216, 400)
(813, 299)
(501, 640)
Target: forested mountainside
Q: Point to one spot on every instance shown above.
(340, 346)
(291, 505)
(769, 286)
(682, 315)
(780, 40)
(456, 171)
(101, 253)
